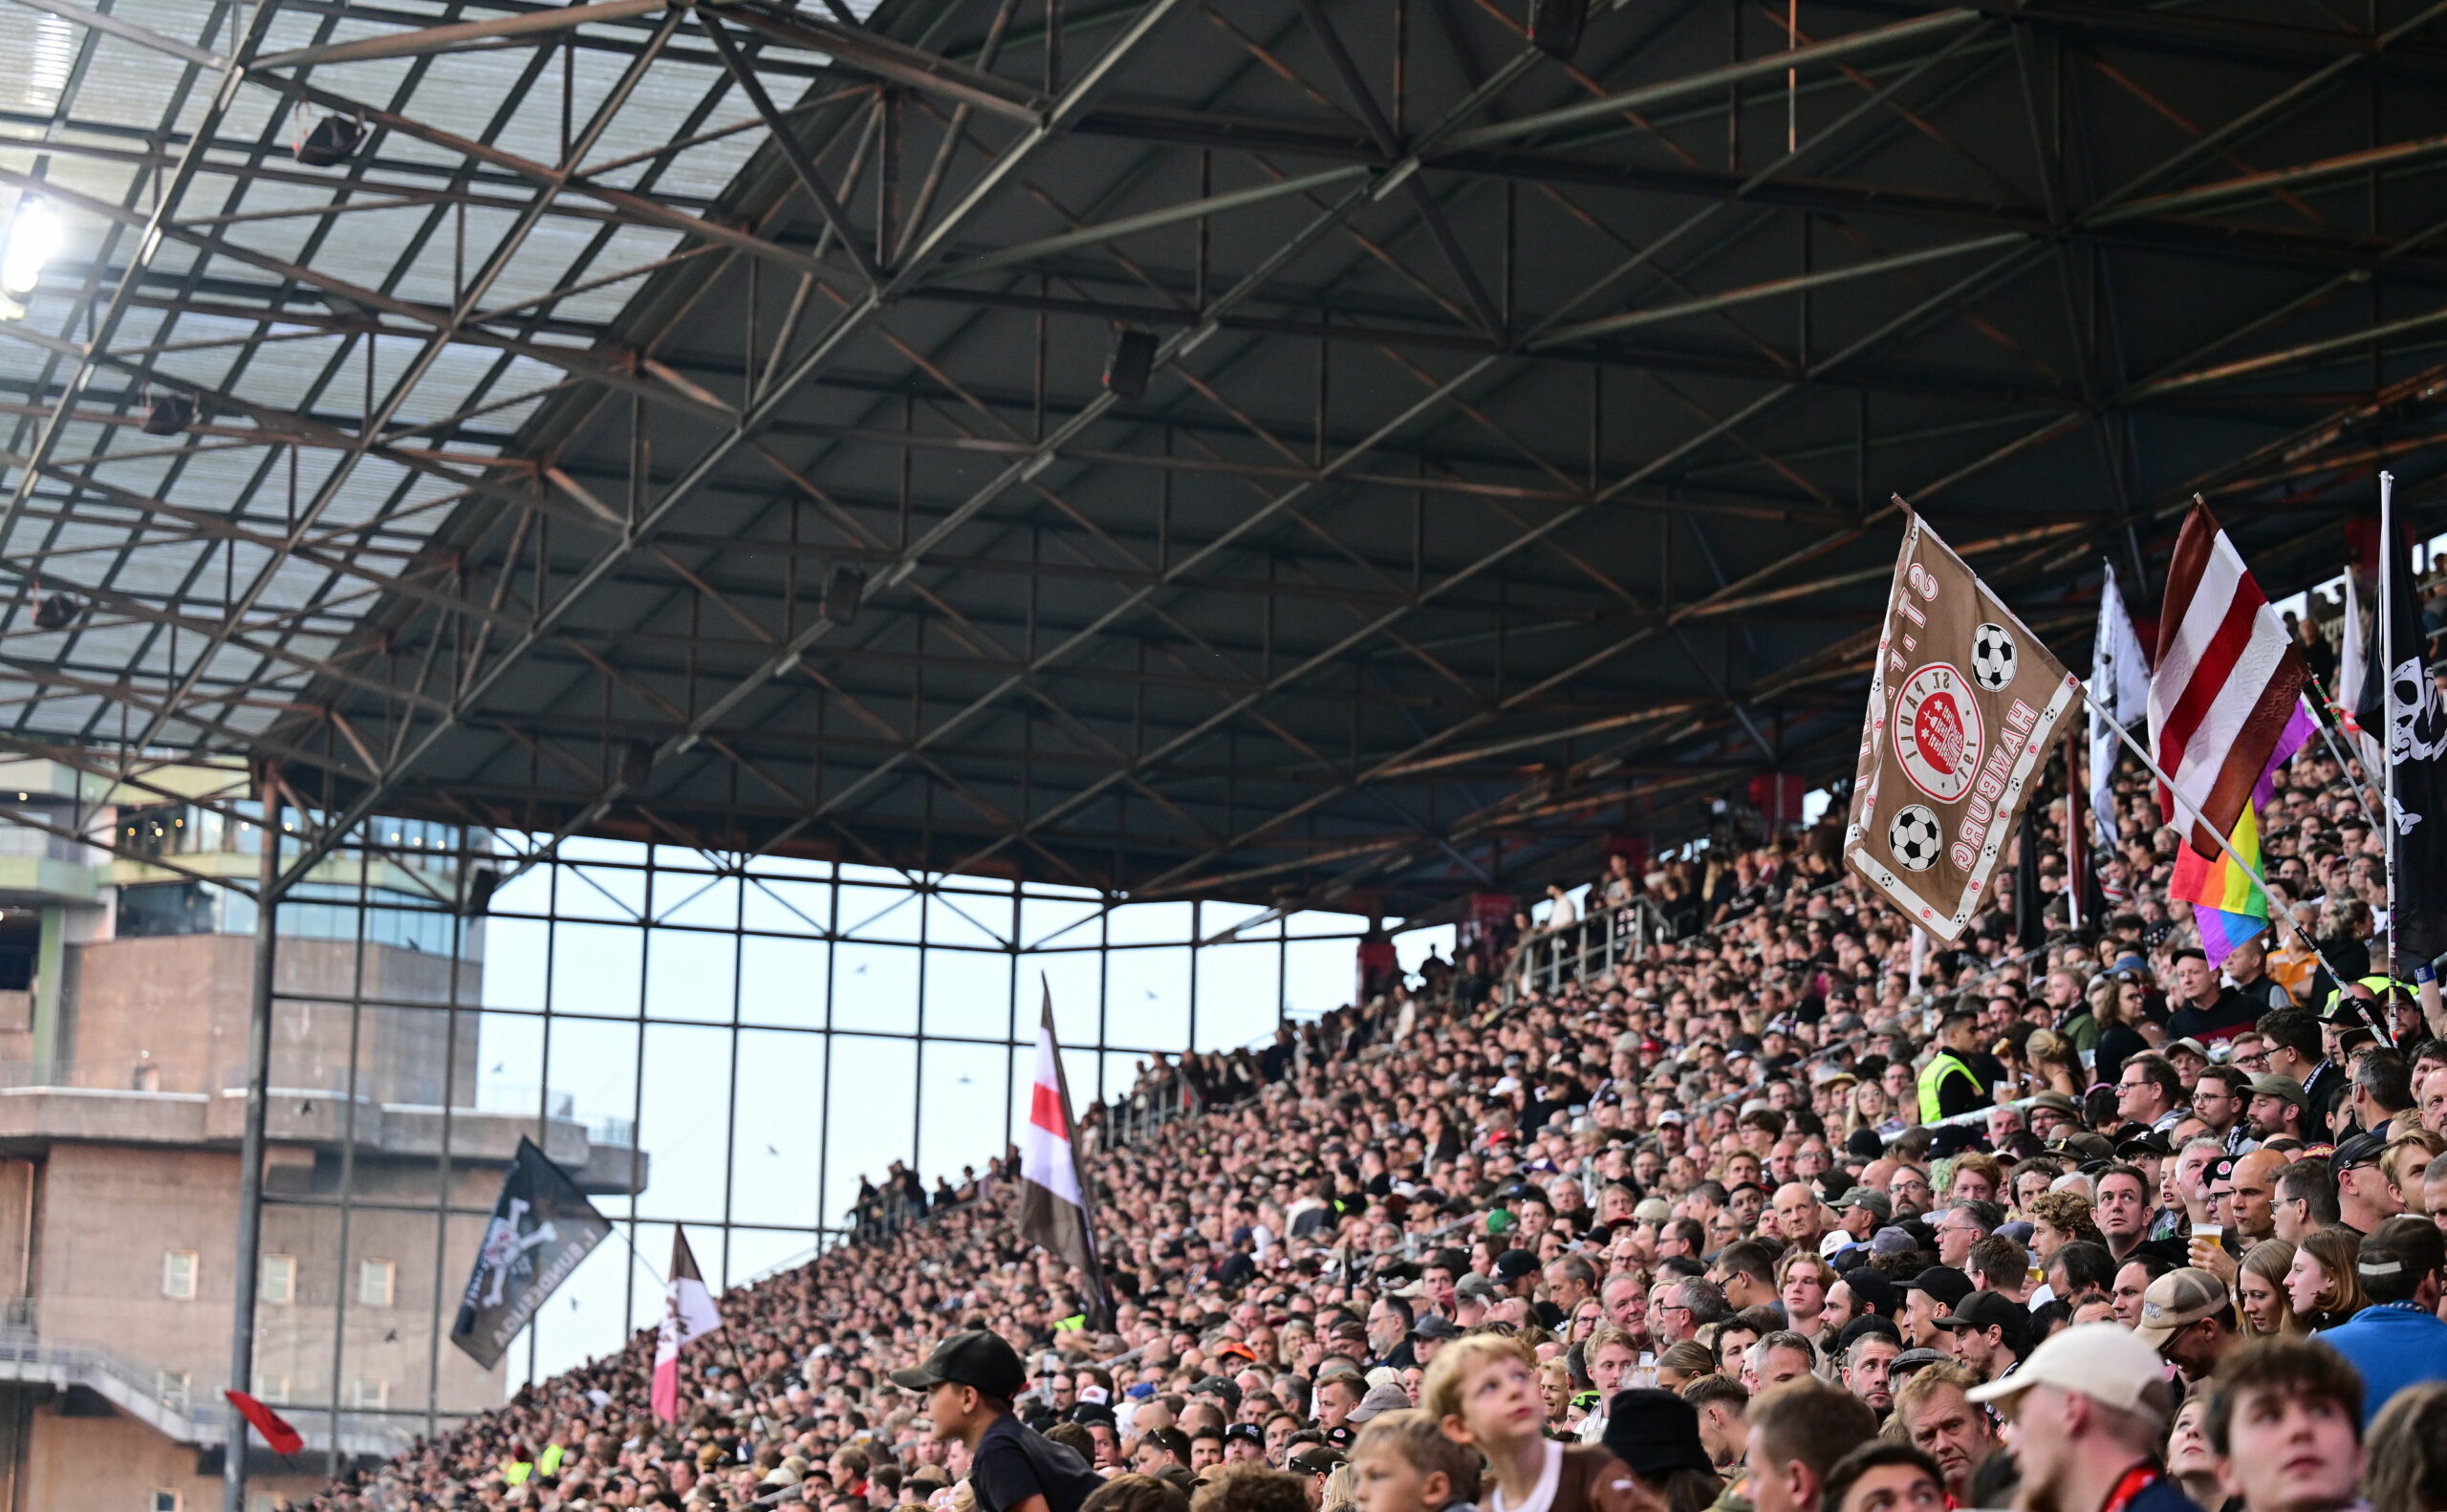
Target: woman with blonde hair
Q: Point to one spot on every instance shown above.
(2322, 1281)
(2261, 1306)
(1865, 1107)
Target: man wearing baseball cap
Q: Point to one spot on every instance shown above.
(2090, 1406)
(2187, 1318)
(969, 1383)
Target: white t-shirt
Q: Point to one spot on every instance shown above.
(1543, 1496)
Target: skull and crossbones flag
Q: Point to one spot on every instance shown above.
(2400, 702)
(541, 1229)
(1964, 704)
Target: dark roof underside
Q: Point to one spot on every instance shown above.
(1514, 470)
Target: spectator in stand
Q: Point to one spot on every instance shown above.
(2187, 1317)
(2294, 1053)
(1797, 1433)
(2305, 1200)
(2323, 1283)
(2285, 1422)
(1956, 1078)
(1885, 1476)
(2397, 1341)
(2090, 1408)
(2203, 1008)
(1940, 1418)
(2408, 1453)
(2149, 1092)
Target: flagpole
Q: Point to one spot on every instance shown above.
(2388, 702)
(2201, 820)
(2329, 738)
(2074, 844)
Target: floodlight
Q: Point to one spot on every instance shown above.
(33, 239)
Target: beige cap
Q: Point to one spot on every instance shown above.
(2176, 1299)
(2103, 1361)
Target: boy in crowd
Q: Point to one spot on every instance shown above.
(1403, 1462)
(2286, 1423)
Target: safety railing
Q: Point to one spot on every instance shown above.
(1590, 946)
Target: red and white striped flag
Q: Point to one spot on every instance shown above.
(1053, 1198)
(688, 1312)
(2227, 681)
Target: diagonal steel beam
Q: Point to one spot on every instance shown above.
(1076, 101)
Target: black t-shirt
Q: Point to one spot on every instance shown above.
(2229, 1016)
(1014, 1464)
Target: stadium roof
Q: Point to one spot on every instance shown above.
(1515, 468)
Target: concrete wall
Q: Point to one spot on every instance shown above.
(109, 1214)
(178, 1002)
(79, 1463)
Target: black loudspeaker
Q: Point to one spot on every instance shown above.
(1554, 26)
(58, 611)
(169, 415)
(1133, 360)
(482, 883)
(332, 140)
(844, 587)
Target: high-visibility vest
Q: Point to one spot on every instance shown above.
(514, 1472)
(551, 1459)
(1933, 1076)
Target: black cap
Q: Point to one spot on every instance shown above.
(2362, 1149)
(1990, 1309)
(1435, 1326)
(1944, 1282)
(1314, 1460)
(1873, 1290)
(1094, 1413)
(1655, 1432)
(1514, 1263)
(1218, 1385)
(1248, 1430)
(1867, 1322)
(974, 1358)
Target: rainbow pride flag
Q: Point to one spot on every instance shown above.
(2227, 906)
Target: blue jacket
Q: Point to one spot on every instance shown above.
(2394, 1345)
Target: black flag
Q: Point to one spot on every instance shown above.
(2398, 701)
(542, 1226)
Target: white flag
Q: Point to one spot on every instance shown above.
(688, 1312)
(2351, 670)
(2119, 681)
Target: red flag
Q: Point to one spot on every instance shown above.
(283, 1438)
(2225, 681)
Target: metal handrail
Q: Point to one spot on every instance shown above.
(1602, 939)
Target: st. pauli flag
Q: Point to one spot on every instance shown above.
(1054, 1199)
(688, 1312)
(542, 1226)
(283, 1438)
(2402, 703)
(2225, 683)
(1964, 703)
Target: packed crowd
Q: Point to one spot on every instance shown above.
(1783, 1215)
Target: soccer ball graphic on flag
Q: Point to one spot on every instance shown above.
(1992, 658)
(1914, 838)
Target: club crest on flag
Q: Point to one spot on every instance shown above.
(1936, 729)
